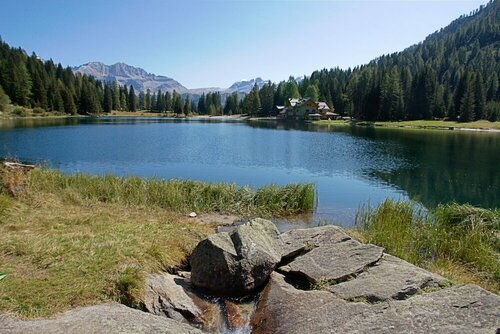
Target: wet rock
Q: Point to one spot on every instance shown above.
(173, 296)
(239, 262)
(238, 314)
(213, 319)
(299, 241)
(390, 278)
(105, 319)
(164, 294)
(465, 309)
(334, 262)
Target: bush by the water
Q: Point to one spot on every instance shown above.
(179, 195)
(457, 240)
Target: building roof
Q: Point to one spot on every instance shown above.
(323, 106)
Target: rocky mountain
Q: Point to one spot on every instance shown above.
(142, 80)
(245, 86)
(130, 75)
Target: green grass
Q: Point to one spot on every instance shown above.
(458, 241)
(68, 241)
(178, 195)
(333, 123)
(424, 124)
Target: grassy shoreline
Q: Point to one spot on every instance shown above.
(457, 241)
(482, 125)
(75, 240)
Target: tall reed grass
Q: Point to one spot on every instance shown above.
(179, 195)
(457, 239)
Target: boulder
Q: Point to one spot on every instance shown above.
(238, 262)
(100, 319)
(390, 278)
(457, 309)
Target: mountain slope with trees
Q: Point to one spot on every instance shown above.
(453, 74)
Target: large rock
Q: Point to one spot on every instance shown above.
(390, 278)
(164, 295)
(334, 261)
(172, 296)
(237, 262)
(465, 309)
(100, 319)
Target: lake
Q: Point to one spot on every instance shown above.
(350, 166)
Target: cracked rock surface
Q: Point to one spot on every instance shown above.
(459, 309)
(334, 256)
(390, 278)
(364, 290)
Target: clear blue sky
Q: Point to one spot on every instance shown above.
(214, 43)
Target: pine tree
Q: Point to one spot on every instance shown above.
(312, 92)
(480, 98)
(116, 97)
(292, 90)
(108, 99)
(467, 103)
(148, 99)
(187, 106)
(4, 99)
(168, 102)
(132, 99)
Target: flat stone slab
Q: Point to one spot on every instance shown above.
(390, 278)
(100, 319)
(300, 240)
(464, 309)
(334, 261)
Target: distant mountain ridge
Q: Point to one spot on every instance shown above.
(129, 75)
(125, 74)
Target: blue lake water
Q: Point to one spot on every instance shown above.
(349, 166)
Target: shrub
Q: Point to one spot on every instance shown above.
(38, 110)
(4, 99)
(20, 111)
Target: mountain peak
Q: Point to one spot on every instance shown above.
(125, 74)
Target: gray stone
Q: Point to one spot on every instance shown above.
(105, 319)
(334, 261)
(390, 278)
(303, 240)
(164, 294)
(239, 262)
(284, 309)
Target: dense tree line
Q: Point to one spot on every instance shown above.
(454, 73)
(30, 82)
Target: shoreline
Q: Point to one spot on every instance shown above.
(418, 124)
(450, 126)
